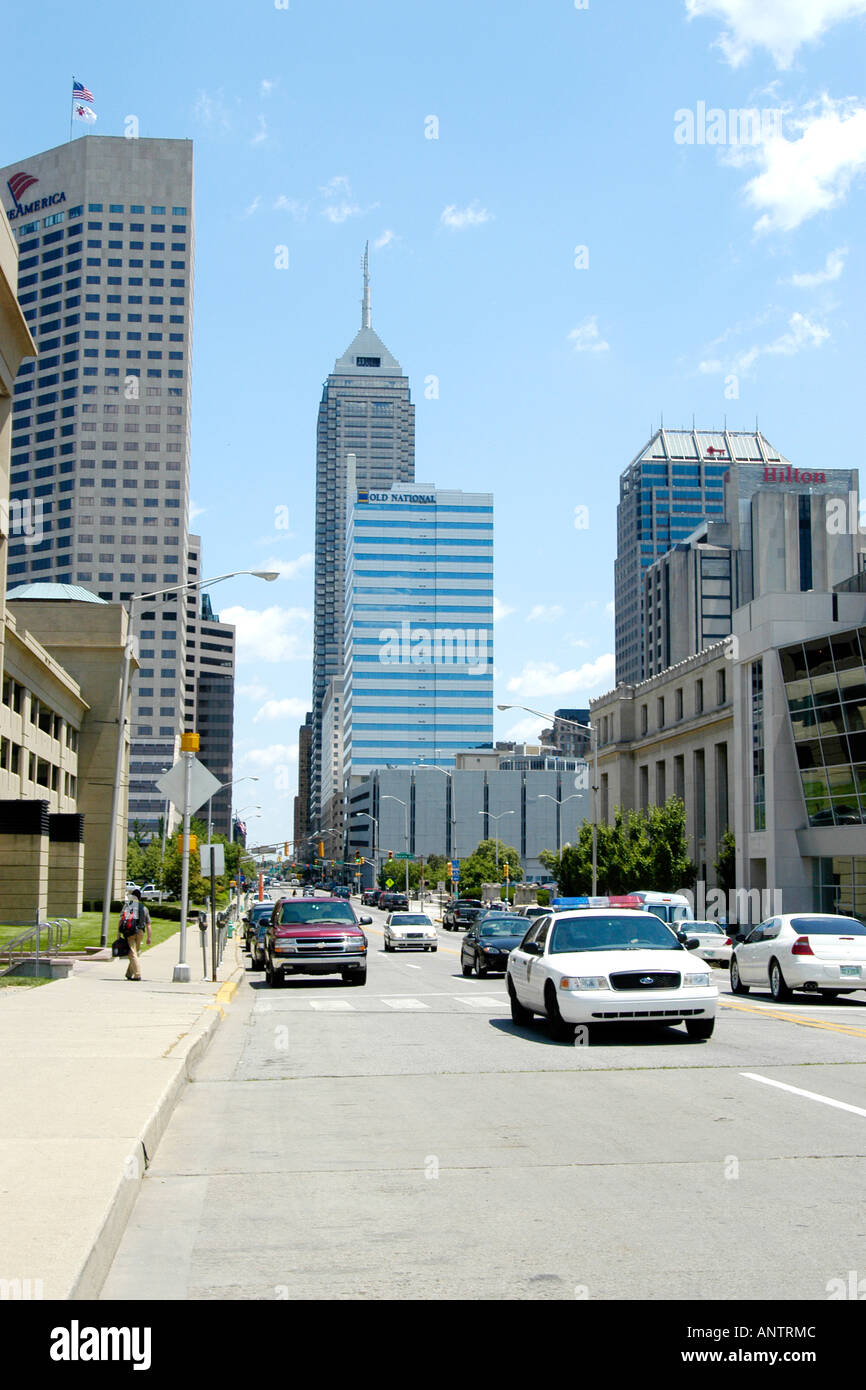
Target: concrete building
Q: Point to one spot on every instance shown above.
(209, 687)
(303, 824)
(563, 737)
(100, 446)
(365, 411)
(672, 735)
(779, 534)
(668, 489)
(332, 757)
(419, 627)
(800, 748)
(449, 813)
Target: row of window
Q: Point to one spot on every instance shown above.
(36, 770)
(17, 698)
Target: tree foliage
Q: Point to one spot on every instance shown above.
(646, 850)
(725, 864)
(480, 867)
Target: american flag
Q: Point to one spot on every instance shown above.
(80, 92)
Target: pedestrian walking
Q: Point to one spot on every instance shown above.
(134, 922)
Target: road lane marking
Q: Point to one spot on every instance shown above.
(485, 1001)
(331, 1004)
(404, 1003)
(764, 1012)
(810, 1095)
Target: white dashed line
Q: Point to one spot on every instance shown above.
(331, 1005)
(483, 1001)
(810, 1095)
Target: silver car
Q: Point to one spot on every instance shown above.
(410, 930)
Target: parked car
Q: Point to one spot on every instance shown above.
(257, 913)
(716, 945)
(816, 951)
(342, 890)
(410, 930)
(315, 936)
(151, 894)
(460, 913)
(605, 965)
(130, 886)
(256, 946)
(370, 897)
(489, 942)
(530, 910)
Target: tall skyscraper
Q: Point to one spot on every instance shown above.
(100, 444)
(365, 410)
(419, 627)
(669, 488)
(209, 700)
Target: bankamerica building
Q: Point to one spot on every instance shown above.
(100, 443)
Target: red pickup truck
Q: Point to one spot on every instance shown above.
(315, 936)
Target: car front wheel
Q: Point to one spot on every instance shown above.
(559, 1030)
(737, 985)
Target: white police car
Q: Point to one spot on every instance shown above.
(609, 965)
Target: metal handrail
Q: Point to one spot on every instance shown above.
(57, 930)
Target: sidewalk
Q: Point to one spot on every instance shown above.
(90, 1071)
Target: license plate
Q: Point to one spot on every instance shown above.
(850, 970)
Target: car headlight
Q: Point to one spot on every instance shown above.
(584, 982)
(698, 979)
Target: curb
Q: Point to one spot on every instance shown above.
(94, 1268)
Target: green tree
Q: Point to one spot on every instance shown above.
(480, 867)
(636, 850)
(725, 863)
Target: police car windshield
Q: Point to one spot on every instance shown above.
(612, 933)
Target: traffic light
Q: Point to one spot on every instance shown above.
(193, 844)
(450, 869)
(390, 854)
(286, 849)
(321, 849)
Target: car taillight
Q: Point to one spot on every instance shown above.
(728, 941)
(801, 947)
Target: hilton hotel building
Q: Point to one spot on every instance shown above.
(100, 431)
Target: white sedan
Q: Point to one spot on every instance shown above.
(716, 945)
(405, 930)
(602, 965)
(815, 951)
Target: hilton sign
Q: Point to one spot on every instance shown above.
(792, 475)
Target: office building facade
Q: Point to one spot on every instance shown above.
(100, 442)
(366, 410)
(418, 627)
(669, 488)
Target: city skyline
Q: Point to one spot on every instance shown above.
(556, 275)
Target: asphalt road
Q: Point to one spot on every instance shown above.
(406, 1140)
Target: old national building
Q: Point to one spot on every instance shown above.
(672, 735)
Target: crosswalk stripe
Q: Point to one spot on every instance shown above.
(405, 1004)
(483, 1001)
(330, 1004)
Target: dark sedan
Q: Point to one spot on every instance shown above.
(488, 944)
(371, 896)
(257, 913)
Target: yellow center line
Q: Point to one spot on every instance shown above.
(849, 1029)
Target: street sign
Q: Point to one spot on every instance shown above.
(219, 866)
(403, 856)
(203, 784)
(389, 883)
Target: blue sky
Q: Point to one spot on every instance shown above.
(724, 280)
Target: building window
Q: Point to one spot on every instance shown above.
(643, 775)
(660, 711)
(699, 697)
(680, 777)
(644, 718)
(661, 788)
(678, 703)
(700, 795)
(721, 686)
(759, 807)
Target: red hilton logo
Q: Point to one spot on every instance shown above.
(792, 475)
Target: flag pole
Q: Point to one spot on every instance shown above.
(71, 106)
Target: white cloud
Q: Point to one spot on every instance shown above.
(610, 609)
(779, 26)
(261, 134)
(294, 206)
(801, 334)
(545, 613)
(280, 709)
(833, 268)
(527, 730)
(470, 216)
(289, 569)
(341, 212)
(253, 207)
(586, 337)
(212, 110)
(253, 690)
(270, 634)
(802, 177)
(500, 610)
(195, 510)
(386, 239)
(540, 678)
(271, 757)
(267, 85)
(338, 185)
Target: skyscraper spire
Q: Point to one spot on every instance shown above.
(366, 321)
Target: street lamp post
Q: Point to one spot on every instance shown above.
(499, 817)
(545, 796)
(375, 822)
(592, 730)
(182, 969)
(386, 796)
(434, 767)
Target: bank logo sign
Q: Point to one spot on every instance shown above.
(364, 495)
(18, 186)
